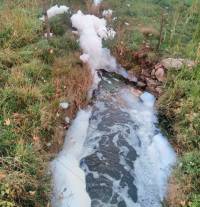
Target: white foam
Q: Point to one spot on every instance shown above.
(55, 10)
(64, 105)
(96, 2)
(84, 58)
(107, 13)
(148, 99)
(111, 33)
(69, 187)
(162, 157)
(92, 30)
(156, 157)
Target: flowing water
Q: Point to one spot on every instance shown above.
(114, 154)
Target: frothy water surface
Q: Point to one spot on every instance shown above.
(124, 161)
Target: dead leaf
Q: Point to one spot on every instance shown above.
(182, 203)
(2, 176)
(36, 138)
(32, 193)
(51, 51)
(7, 122)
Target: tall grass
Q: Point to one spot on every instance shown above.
(35, 75)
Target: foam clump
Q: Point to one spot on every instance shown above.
(69, 187)
(107, 13)
(55, 10)
(84, 58)
(111, 33)
(155, 155)
(163, 157)
(64, 105)
(92, 30)
(148, 99)
(96, 2)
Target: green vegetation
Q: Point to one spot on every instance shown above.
(36, 74)
(31, 89)
(180, 33)
(179, 104)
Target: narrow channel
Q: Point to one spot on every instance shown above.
(114, 154)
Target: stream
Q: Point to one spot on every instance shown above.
(114, 153)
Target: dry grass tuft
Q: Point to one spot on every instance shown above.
(176, 193)
(72, 81)
(31, 87)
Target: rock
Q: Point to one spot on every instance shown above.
(159, 90)
(160, 74)
(145, 73)
(153, 72)
(151, 89)
(177, 63)
(149, 31)
(172, 63)
(157, 66)
(131, 77)
(64, 105)
(151, 82)
(141, 84)
(2, 175)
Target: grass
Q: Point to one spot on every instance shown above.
(179, 103)
(35, 75)
(180, 35)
